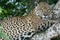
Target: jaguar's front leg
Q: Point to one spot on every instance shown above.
(27, 35)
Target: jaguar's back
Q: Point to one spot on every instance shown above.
(15, 26)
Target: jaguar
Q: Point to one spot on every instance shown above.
(24, 27)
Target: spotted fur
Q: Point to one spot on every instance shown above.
(24, 27)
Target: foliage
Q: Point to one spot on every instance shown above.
(49, 1)
(52, 1)
(18, 7)
(15, 7)
(2, 34)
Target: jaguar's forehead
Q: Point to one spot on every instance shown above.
(43, 5)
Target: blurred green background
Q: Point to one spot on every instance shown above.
(18, 7)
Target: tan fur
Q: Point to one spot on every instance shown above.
(17, 25)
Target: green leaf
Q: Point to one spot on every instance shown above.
(4, 36)
(1, 10)
(24, 14)
(5, 11)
